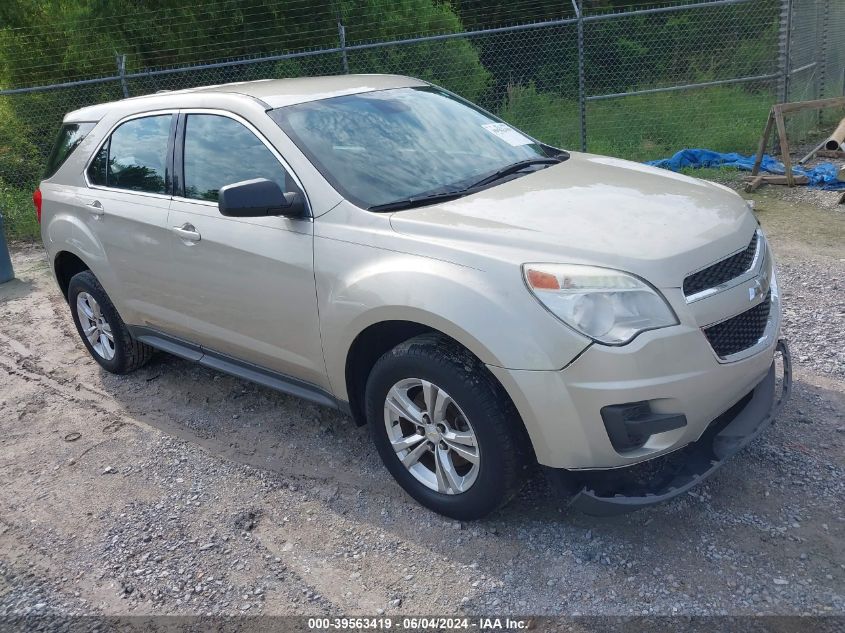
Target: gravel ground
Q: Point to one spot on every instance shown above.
(178, 490)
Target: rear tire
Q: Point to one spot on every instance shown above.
(101, 329)
(459, 434)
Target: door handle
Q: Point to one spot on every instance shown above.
(95, 208)
(187, 232)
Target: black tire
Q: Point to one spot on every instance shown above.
(502, 442)
(129, 354)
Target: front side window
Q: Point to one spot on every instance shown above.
(378, 147)
(135, 156)
(220, 151)
(69, 138)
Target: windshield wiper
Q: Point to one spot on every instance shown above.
(512, 169)
(445, 196)
(419, 201)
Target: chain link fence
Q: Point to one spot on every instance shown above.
(638, 83)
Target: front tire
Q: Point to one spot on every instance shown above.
(445, 429)
(101, 329)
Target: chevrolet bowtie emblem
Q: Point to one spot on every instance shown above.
(756, 290)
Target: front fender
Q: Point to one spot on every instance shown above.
(491, 314)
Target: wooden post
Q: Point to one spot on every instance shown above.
(767, 131)
(753, 184)
(784, 147)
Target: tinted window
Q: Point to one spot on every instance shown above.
(70, 136)
(137, 156)
(220, 151)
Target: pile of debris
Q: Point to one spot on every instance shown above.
(832, 147)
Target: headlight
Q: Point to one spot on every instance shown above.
(609, 306)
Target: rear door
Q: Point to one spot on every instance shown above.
(247, 285)
(125, 206)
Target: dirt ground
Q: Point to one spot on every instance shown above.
(178, 490)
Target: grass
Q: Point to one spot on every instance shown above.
(18, 213)
(644, 127)
(719, 174)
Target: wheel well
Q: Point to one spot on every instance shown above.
(66, 266)
(367, 348)
(372, 344)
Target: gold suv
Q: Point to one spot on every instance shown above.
(481, 300)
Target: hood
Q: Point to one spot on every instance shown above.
(593, 210)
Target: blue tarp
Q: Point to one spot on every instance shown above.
(822, 175)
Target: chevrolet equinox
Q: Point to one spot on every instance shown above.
(483, 301)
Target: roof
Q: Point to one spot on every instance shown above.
(274, 93)
(281, 92)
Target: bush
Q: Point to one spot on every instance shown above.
(20, 161)
(18, 213)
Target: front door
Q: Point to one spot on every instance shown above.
(248, 287)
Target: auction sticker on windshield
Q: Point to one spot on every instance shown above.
(507, 134)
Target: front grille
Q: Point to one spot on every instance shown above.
(721, 271)
(740, 332)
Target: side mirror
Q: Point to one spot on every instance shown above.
(259, 198)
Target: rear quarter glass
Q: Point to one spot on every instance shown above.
(69, 137)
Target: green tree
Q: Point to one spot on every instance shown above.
(51, 41)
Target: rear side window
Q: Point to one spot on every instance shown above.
(220, 151)
(69, 138)
(135, 156)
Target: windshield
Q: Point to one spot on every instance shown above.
(379, 147)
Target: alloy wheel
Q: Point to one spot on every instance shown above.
(94, 325)
(431, 436)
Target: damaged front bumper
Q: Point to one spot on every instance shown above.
(617, 491)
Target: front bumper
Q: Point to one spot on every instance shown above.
(674, 369)
(615, 492)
